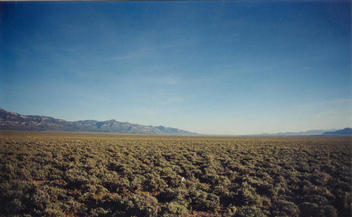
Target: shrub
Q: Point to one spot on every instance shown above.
(327, 211)
(167, 196)
(174, 209)
(231, 211)
(53, 212)
(247, 195)
(40, 199)
(140, 205)
(308, 209)
(203, 201)
(285, 208)
(248, 211)
(98, 212)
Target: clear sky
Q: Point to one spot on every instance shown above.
(220, 68)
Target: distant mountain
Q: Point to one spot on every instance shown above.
(345, 132)
(15, 121)
(301, 133)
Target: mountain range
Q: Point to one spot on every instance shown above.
(345, 131)
(342, 132)
(15, 121)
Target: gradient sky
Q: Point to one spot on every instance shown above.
(218, 68)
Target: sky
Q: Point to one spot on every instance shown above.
(226, 67)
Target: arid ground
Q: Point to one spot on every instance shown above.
(80, 174)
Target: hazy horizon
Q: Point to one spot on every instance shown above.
(209, 67)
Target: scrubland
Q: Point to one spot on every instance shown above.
(67, 174)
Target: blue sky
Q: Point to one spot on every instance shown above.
(218, 68)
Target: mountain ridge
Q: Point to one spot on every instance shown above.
(16, 121)
(299, 133)
(345, 131)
